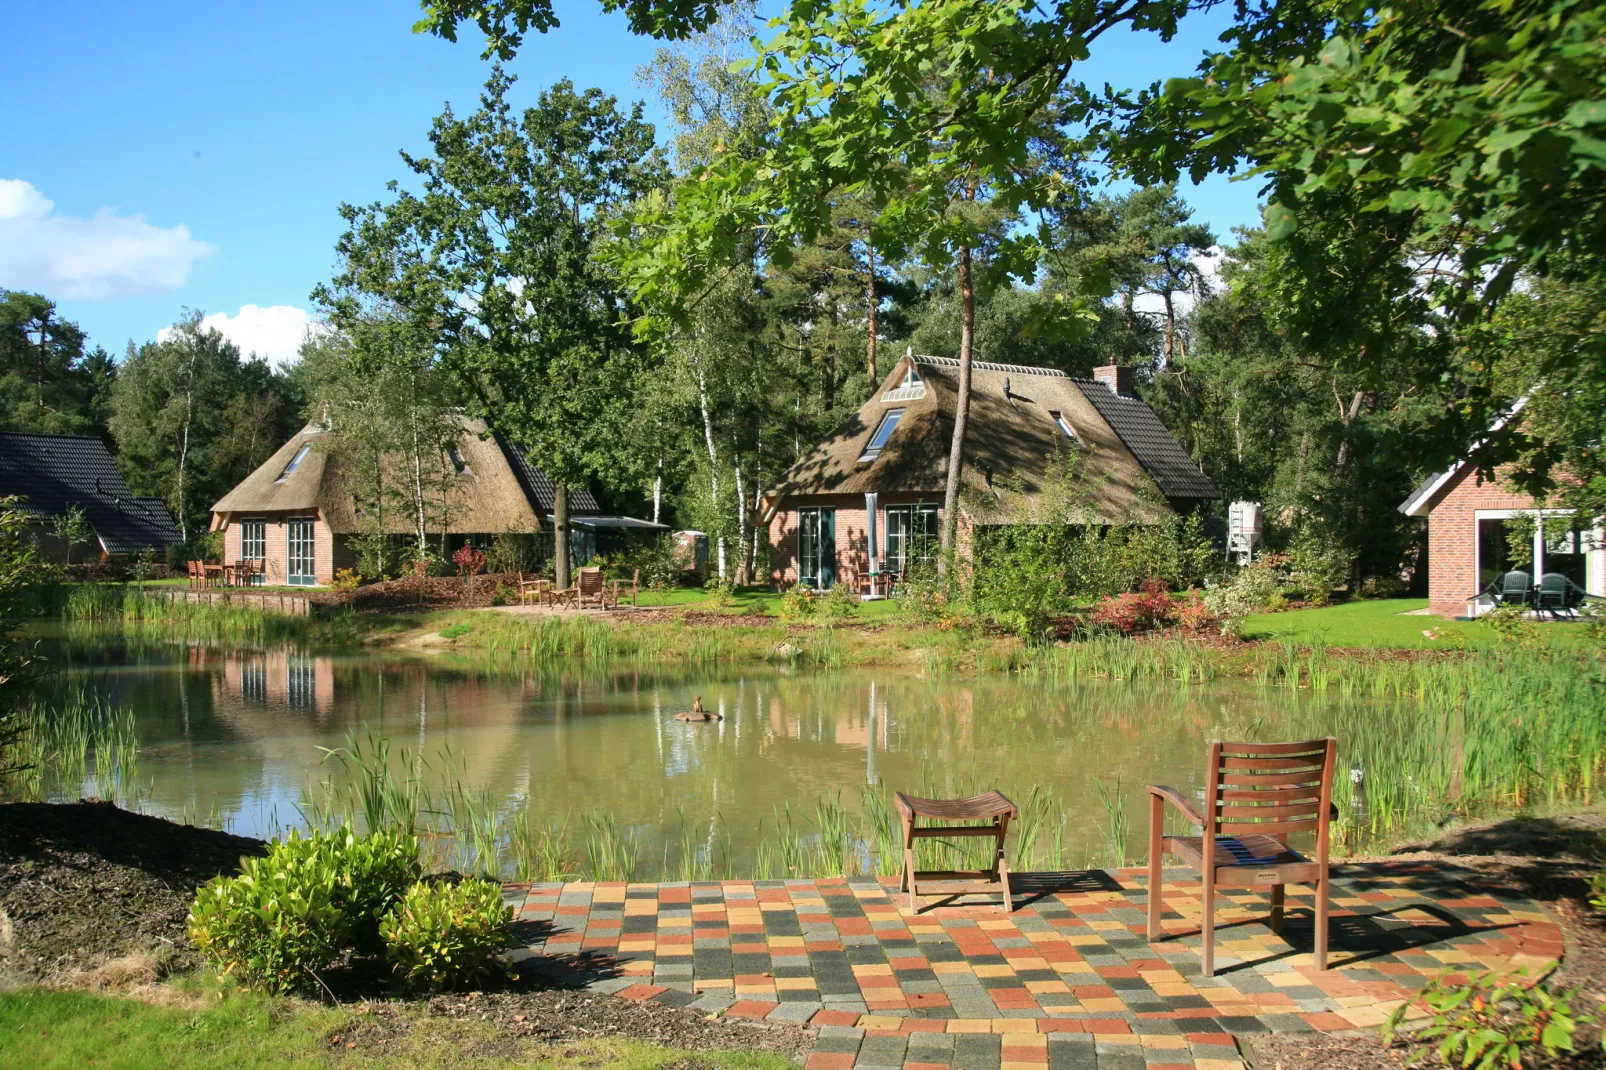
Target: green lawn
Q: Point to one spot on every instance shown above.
(747, 597)
(1382, 623)
(68, 1030)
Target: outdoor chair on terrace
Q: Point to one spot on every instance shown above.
(1558, 594)
(986, 816)
(1256, 794)
(534, 590)
(632, 586)
(1514, 588)
(196, 576)
(591, 588)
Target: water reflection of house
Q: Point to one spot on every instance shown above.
(282, 678)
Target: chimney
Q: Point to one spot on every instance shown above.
(1116, 377)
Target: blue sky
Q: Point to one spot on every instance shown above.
(182, 154)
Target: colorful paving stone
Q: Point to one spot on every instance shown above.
(1068, 980)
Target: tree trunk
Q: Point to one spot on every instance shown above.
(713, 460)
(870, 315)
(741, 514)
(956, 451)
(418, 490)
(184, 445)
(1341, 464)
(560, 534)
(1170, 328)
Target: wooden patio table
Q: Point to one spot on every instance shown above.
(987, 815)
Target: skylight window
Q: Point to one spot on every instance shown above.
(1065, 427)
(458, 464)
(889, 424)
(291, 467)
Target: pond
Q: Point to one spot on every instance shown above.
(240, 739)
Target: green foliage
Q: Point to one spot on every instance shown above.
(511, 551)
(1246, 593)
(48, 382)
(1597, 890)
(20, 578)
(292, 913)
(455, 631)
(798, 602)
(1318, 564)
(840, 603)
(1491, 1022)
(1510, 622)
(346, 579)
(442, 935)
(659, 569)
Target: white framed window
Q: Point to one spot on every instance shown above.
(909, 388)
(294, 461)
(878, 441)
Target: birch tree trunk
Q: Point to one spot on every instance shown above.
(184, 445)
(870, 314)
(741, 514)
(713, 460)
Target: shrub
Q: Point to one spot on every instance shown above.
(504, 595)
(721, 593)
(1511, 623)
(470, 562)
(1384, 587)
(346, 580)
(840, 603)
(659, 569)
(511, 551)
(1193, 615)
(798, 602)
(276, 924)
(1318, 564)
(1131, 613)
(446, 935)
(291, 913)
(1493, 1022)
(455, 631)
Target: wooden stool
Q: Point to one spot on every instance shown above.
(992, 808)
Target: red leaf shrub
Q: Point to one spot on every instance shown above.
(470, 562)
(1153, 607)
(1193, 615)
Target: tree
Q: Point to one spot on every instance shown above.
(1421, 159)
(496, 260)
(47, 382)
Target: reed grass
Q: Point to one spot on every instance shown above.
(75, 745)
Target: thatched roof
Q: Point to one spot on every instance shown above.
(1015, 452)
(499, 490)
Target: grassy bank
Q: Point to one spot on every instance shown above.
(179, 1027)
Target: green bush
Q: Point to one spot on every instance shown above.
(1318, 564)
(276, 925)
(293, 912)
(840, 603)
(446, 935)
(1492, 1021)
(798, 602)
(659, 569)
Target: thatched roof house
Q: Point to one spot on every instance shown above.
(52, 474)
(1040, 447)
(297, 512)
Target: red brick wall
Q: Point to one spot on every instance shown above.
(1453, 538)
(276, 546)
(852, 555)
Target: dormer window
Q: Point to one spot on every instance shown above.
(910, 388)
(294, 461)
(1065, 427)
(459, 465)
(878, 441)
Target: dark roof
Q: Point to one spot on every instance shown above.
(53, 473)
(1423, 489)
(538, 488)
(1160, 455)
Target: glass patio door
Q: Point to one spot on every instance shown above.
(301, 565)
(816, 548)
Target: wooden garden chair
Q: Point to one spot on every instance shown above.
(986, 815)
(194, 572)
(632, 586)
(591, 588)
(1257, 794)
(534, 591)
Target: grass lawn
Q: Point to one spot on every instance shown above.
(1382, 623)
(747, 597)
(61, 1029)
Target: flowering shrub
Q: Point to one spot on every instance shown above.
(470, 562)
(798, 602)
(1129, 613)
(346, 579)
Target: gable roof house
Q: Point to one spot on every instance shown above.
(52, 474)
(1469, 520)
(877, 482)
(296, 514)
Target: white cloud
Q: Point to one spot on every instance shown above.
(274, 333)
(105, 256)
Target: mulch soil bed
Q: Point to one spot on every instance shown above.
(413, 595)
(1547, 859)
(87, 882)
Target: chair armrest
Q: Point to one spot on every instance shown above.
(1175, 798)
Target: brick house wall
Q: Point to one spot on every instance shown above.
(326, 556)
(852, 544)
(1453, 538)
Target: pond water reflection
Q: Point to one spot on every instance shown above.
(237, 734)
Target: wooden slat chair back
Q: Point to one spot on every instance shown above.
(591, 586)
(194, 572)
(1257, 795)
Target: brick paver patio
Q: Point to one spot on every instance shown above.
(1067, 981)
